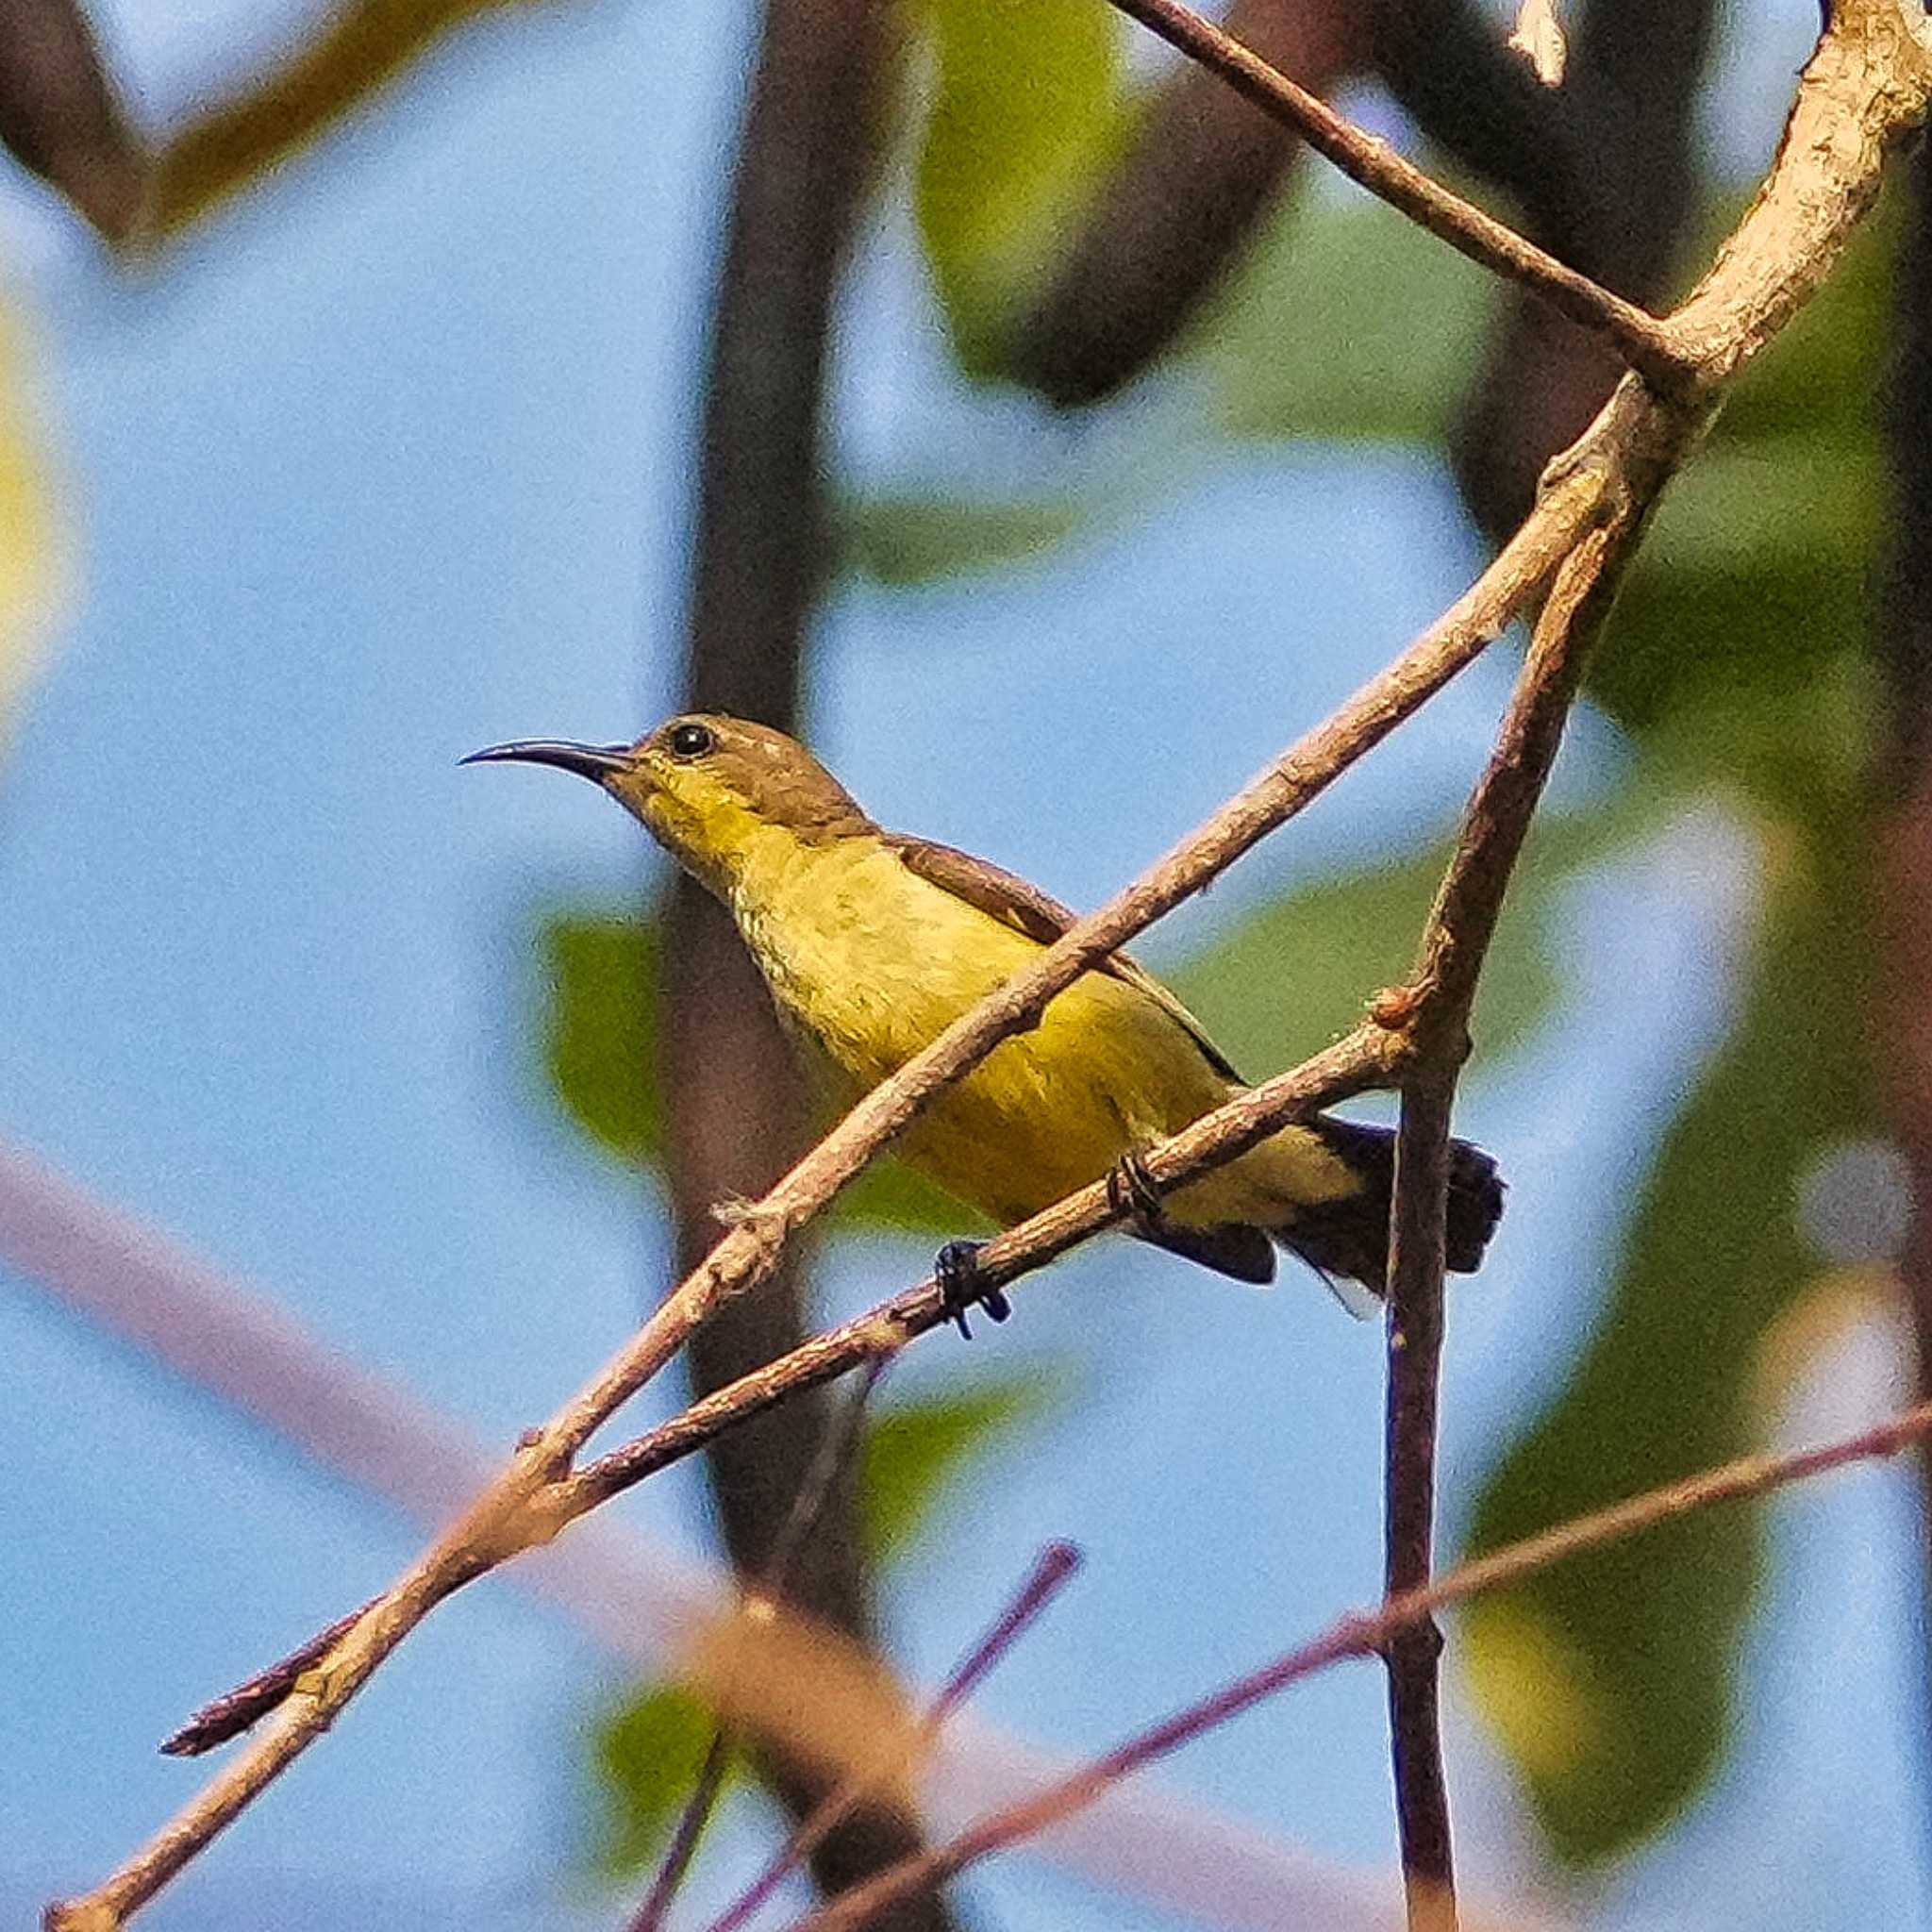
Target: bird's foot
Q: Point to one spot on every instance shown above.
(955, 1267)
(1131, 1191)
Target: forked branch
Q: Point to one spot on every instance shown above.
(1638, 336)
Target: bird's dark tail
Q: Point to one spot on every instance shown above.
(1351, 1238)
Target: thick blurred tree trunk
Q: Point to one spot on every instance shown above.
(736, 1118)
(1902, 858)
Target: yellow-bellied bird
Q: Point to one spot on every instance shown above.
(872, 942)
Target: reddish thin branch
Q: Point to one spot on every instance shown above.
(239, 1710)
(831, 1461)
(1364, 1633)
(1413, 1654)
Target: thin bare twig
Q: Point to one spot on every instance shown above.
(1049, 1574)
(629, 1595)
(1364, 1057)
(1417, 1221)
(1455, 944)
(245, 1706)
(1362, 1633)
(1638, 337)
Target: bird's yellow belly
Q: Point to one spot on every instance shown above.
(886, 961)
(871, 963)
(1104, 1074)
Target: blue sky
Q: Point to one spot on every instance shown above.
(395, 466)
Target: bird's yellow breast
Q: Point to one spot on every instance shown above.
(871, 962)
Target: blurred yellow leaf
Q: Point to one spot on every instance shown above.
(1821, 1317)
(34, 561)
(1026, 104)
(1537, 1689)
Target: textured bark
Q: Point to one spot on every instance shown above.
(736, 1117)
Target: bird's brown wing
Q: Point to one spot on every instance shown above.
(1009, 898)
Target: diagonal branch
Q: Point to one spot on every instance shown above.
(1365, 1057)
(831, 1464)
(627, 1593)
(1051, 1571)
(1364, 1632)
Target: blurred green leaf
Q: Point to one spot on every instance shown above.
(1755, 584)
(1609, 1678)
(1026, 104)
(648, 1752)
(1345, 321)
(913, 1451)
(1285, 980)
(901, 541)
(890, 1194)
(600, 1027)
(1752, 586)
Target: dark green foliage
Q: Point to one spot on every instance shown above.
(648, 1751)
(913, 1451)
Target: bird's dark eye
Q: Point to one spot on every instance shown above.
(692, 741)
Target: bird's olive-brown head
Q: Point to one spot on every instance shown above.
(707, 786)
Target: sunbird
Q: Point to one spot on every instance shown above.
(872, 942)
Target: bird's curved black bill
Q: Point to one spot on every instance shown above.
(594, 761)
